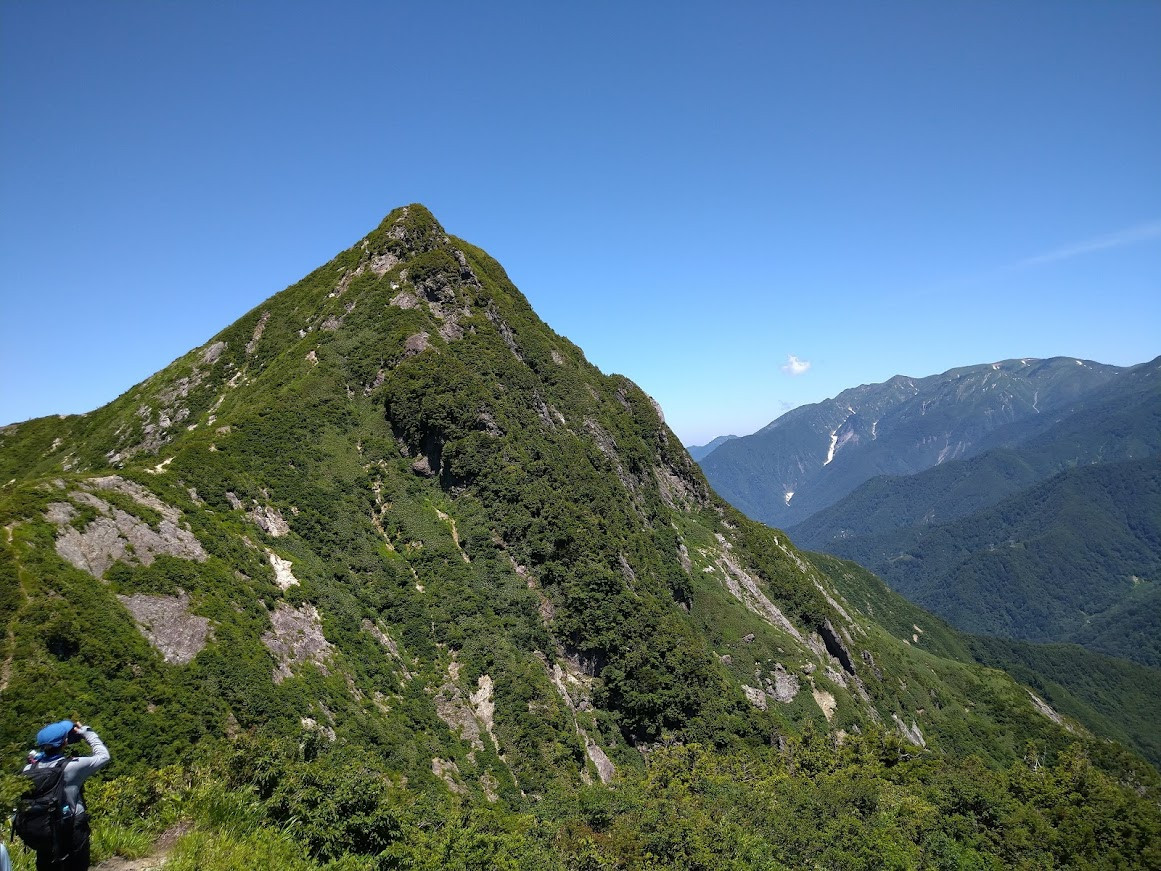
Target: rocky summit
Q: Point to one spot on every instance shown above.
(389, 548)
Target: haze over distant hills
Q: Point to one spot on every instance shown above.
(699, 452)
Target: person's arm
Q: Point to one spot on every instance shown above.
(84, 766)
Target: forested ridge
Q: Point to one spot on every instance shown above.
(1075, 558)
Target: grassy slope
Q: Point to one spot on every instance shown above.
(1112, 697)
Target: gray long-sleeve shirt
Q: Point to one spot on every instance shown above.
(80, 768)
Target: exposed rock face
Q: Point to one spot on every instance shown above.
(784, 686)
(269, 520)
(489, 784)
(296, 637)
(387, 641)
(382, 263)
(1046, 709)
(449, 773)
(756, 697)
(484, 705)
(468, 718)
(347, 278)
(835, 647)
(310, 724)
(911, 733)
(781, 686)
(604, 765)
(826, 702)
(416, 344)
(405, 299)
(745, 588)
(116, 535)
(675, 489)
(211, 354)
(283, 576)
(169, 626)
(869, 659)
(573, 684)
(259, 329)
(506, 333)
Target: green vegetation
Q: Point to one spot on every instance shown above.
(1112, 697)
(1076, 558)
(867, 801)
(452, 577)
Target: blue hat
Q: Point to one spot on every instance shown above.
(54, 735)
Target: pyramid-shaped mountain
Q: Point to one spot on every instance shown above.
(391, 513)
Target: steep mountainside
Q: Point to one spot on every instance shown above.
(399, 552)
(1121, 421)
(813, 456)
(1076, 558)
(1111, 696)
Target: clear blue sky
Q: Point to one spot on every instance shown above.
(693, 193)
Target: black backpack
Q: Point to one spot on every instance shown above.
(43, 819)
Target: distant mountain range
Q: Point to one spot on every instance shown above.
(700, 452)
(1038, 517)
(814, 455)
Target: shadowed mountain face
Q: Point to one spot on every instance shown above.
(390, 510)
(813, 456)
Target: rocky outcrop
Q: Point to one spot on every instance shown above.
(825, 701)
(600, 760)
(269, 520)
(259, 329)
(283, 576)
(459, 711)
(296, 638)
(416, 344)
(779, 685)
(746, 589)
(169, 626)
(381, 635)
(911, 733)
(115, 535)
(835, 647)
(1047, 710)
(447, 771)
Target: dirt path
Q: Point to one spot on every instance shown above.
(149, 863)
(155, 861)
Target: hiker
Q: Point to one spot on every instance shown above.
(67, 849)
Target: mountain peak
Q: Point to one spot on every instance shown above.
(407, 230)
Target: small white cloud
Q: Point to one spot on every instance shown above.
(794, 366)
